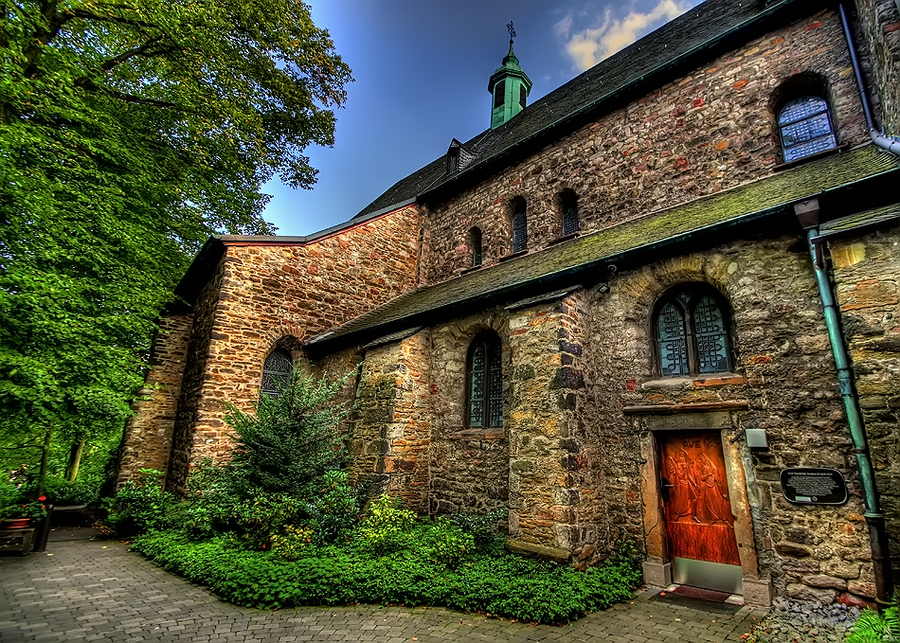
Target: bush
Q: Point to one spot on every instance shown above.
(83, 491)
(141, 506)
(484, 529)
(387, 527)
(446, 544)
(505, 585)
(334, 510)
(292, 440)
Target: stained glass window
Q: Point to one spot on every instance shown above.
(805, 126)
(691, 334)
(485, 382)
(520, 227)
(276, 373)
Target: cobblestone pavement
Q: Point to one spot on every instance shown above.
(99, 591)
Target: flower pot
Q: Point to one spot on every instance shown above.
(17, 523)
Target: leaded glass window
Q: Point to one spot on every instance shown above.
(691, 334)
(519, 226)
(276, 373)
(485, 382)
(475, 243)
(805, 126)
(671, 336)
(569, 213)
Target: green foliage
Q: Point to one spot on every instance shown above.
(872, 627)
(334, 509)
(387, 527)
(292, 542)
(484, 528)
(141, 506)
(129, 133)
(505, 585)
(282, 477)
(292, 440)
(446, 544)
(259, 518)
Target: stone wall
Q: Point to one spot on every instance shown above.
(391, 424)
(784, 382)
(204, 312)
(148, 436)
(268, 294)
(697, 135)
(867, 272)
(880, 20)
(469, 467)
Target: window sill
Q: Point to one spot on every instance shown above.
(514, 255)
(694, 381)
(812, 157)
(491, 433)
(568, 237)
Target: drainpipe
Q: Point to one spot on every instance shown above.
(808, 215)
(890, 143)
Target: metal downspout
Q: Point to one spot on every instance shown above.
(880, 139)
(874, 517)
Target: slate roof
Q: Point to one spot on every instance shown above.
(702, 33)
(547, 269)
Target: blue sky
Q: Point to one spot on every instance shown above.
(421, 70)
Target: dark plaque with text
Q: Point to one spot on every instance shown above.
(814, 486)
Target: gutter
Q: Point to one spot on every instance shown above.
(808, 214)
(890, 143)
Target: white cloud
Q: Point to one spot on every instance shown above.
(590, 46)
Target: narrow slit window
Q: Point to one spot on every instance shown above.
(485, 382)
(519, 226)
(570, 223)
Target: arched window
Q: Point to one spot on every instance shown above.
(519, 225)
(805, 127)
(276, 372)
(691, 332)
(475, 246)
(484, 379)
(569, 205)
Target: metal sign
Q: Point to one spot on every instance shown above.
(807, 486)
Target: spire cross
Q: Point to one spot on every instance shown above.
(512, 32)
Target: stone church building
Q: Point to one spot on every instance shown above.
(659, 303)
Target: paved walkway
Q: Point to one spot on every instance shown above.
(99, 591)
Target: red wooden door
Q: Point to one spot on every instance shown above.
(699, 523)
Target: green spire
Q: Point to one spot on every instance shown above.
(509, 86)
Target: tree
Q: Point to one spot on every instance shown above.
(129, 132)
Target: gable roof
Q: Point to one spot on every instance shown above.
(835, 178)
(704, 32)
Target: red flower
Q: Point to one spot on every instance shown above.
(42, 498)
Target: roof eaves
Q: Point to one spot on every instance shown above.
(774, 193)
(574, 119)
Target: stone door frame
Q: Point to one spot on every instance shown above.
(657, 567)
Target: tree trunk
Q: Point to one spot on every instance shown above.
(74, 460)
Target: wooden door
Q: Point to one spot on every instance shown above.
(699, 523)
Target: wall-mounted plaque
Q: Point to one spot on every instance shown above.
(814, 486)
